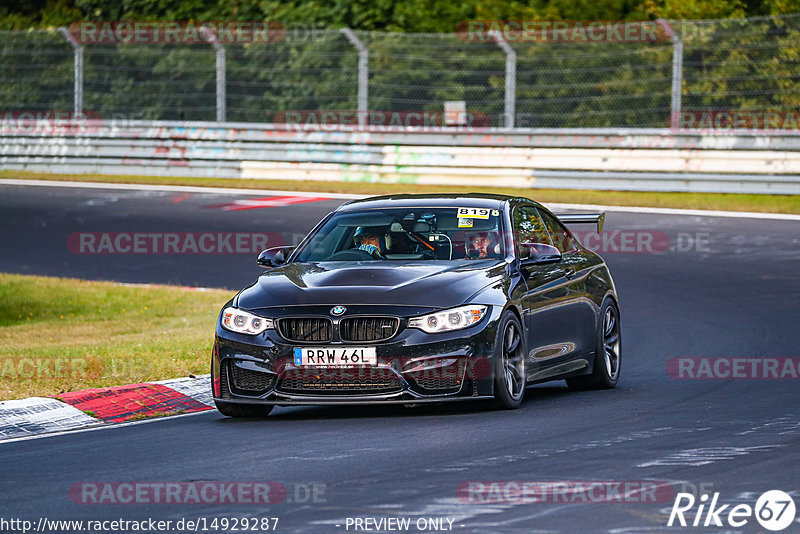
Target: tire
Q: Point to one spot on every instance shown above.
(608, 354)
(243, 410)
(509, 364)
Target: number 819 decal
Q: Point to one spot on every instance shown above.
(474, 213)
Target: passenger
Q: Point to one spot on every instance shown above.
(482, 245)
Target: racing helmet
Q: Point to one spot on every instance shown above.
(362, 232)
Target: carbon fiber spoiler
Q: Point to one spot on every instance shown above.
(569, 218)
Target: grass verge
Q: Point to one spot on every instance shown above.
(59, 335)
(706, 201)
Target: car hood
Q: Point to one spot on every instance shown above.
(435, 284)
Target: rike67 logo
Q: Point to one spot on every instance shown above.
(774, 510)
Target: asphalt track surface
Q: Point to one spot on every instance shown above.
(736, 294)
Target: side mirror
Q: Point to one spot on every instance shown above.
(272, 257)
(538, 253)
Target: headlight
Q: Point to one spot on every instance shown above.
(243, 322)
(449, 320)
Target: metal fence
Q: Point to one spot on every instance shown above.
(736, 64)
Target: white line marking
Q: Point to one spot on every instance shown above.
(168, 286)
(248, 192)
(105, 427)
(675, 211)
(706, 455)
(177, 188)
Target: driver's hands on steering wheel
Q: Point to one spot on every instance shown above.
(374, 250)
(352, 254)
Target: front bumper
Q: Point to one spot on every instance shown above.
(413, 367)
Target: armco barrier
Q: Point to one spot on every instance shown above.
(644, 160)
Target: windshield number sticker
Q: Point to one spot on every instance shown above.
(474, 213)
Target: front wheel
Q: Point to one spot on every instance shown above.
(608, 355)
(509, 364)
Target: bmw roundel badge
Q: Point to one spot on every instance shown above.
(338, 310)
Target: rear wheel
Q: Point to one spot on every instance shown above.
(608, 355)
(509, 364)
(243, 410)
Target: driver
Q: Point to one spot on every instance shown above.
(368, 238)
(482, 245)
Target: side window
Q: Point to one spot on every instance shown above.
(529, 227)
(562, 239)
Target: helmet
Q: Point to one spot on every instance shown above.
(362, 233)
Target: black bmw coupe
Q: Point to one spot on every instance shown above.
(420, 298)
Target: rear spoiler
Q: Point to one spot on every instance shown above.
(599, 218)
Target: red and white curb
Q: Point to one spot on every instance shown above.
(103, 406)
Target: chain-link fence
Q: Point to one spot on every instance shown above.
(743, 64)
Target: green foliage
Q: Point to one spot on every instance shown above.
(37, 71)
(439, 16)
(749, 64)
(742, 64)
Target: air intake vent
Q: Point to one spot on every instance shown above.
(250, 381)
(440, 380)
(340, 381)
(368, 328)
(304, 330)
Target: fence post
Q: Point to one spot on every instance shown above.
(677, 73)
(220, 68)
(677, 79)
(221, 86)
(78, 91)
(363, 75)
(511, 78)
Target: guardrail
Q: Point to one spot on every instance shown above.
(605, 159)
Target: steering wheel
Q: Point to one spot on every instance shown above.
(350, 254)
(427, 254)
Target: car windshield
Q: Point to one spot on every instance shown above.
(443, 233)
